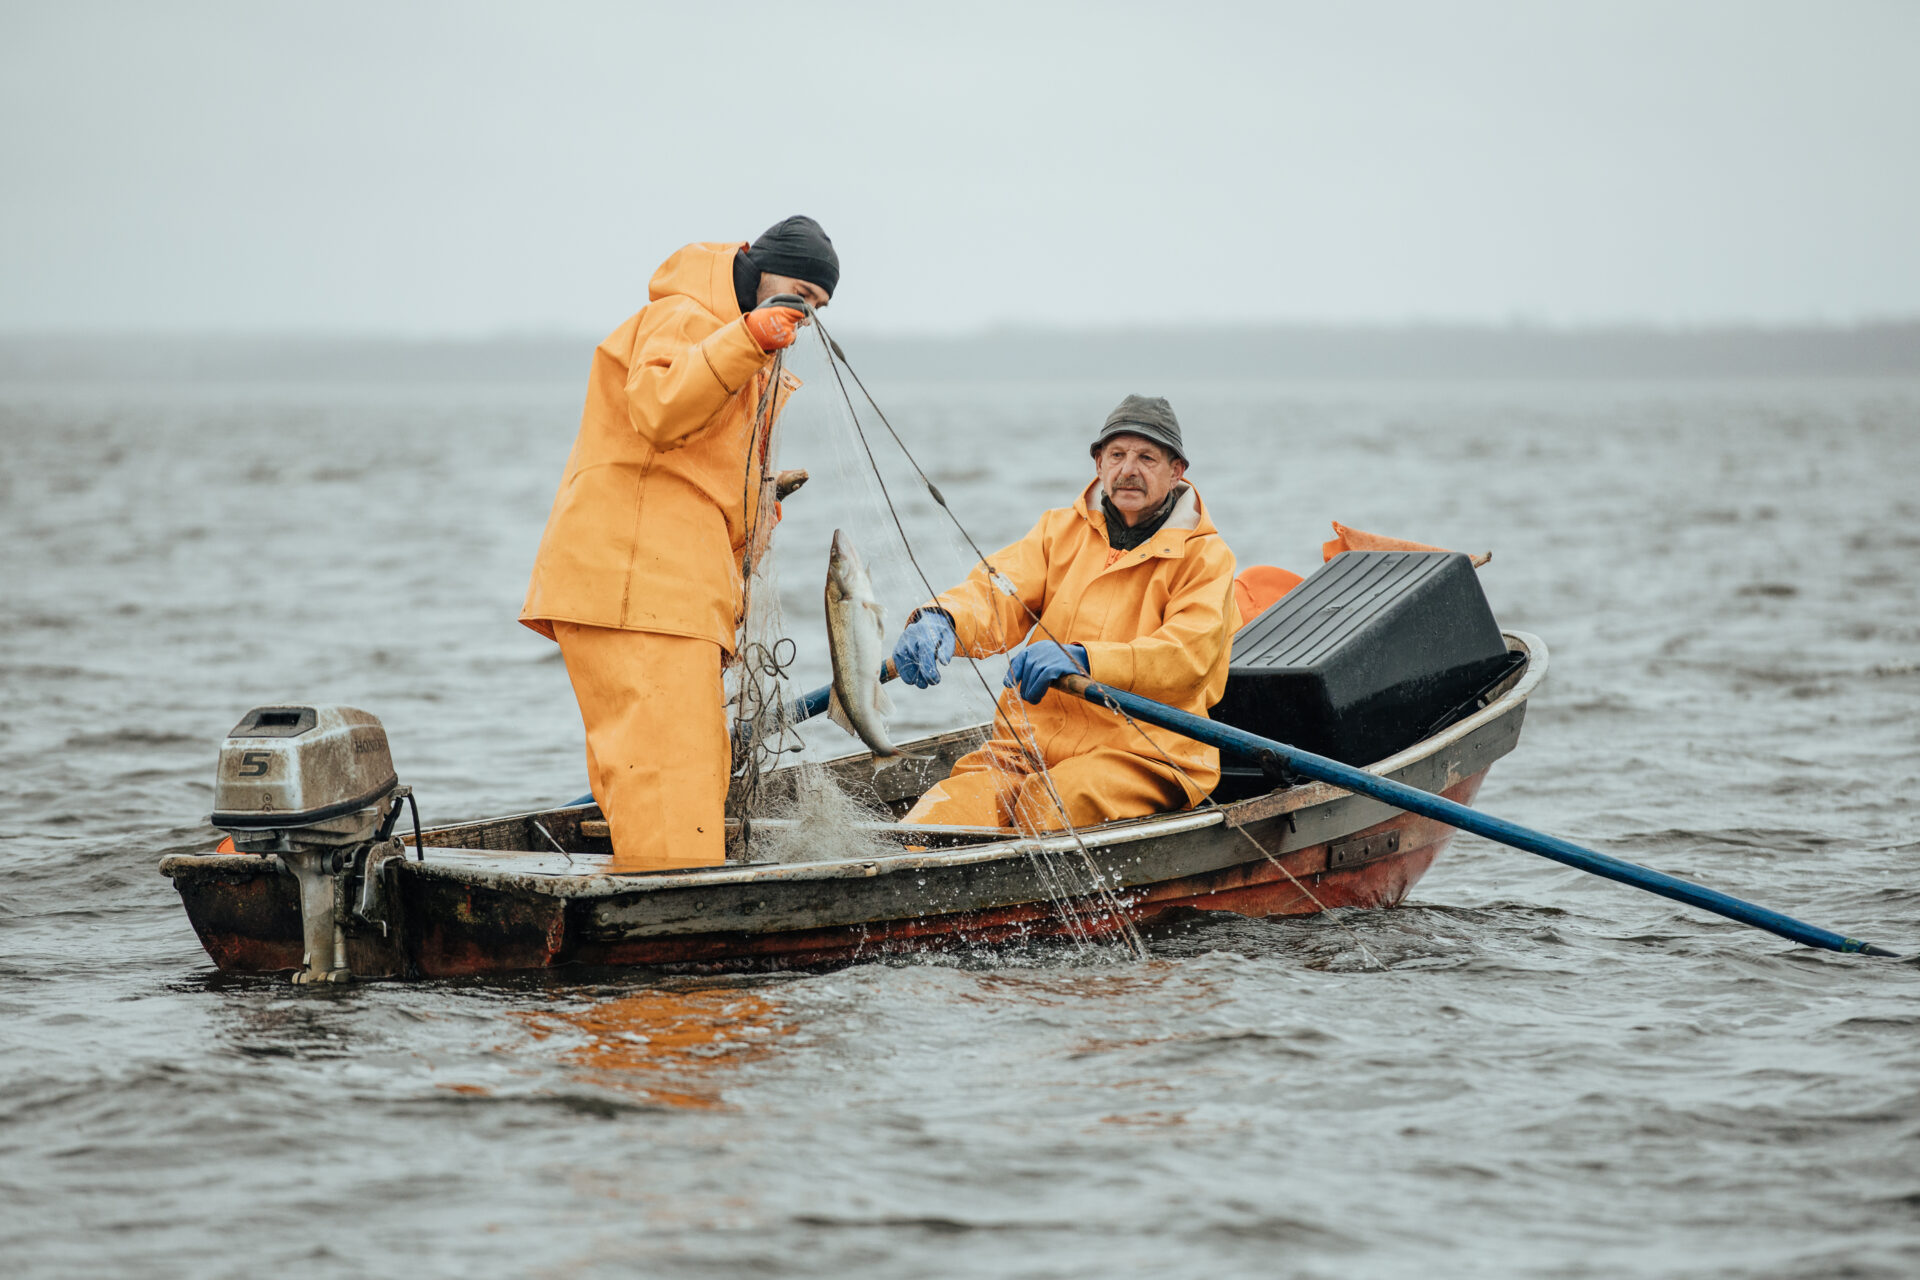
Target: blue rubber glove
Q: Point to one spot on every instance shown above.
(925, 646)
(1038, 665)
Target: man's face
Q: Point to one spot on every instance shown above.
(771, 284)
(1137, 474)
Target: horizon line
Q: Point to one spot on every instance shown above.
(1515, 326)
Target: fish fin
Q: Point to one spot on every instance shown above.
(882, 701)
(838, 714)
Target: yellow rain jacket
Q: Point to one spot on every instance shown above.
(655, 507)
(1157, 621)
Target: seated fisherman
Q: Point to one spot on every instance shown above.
(1131, 585)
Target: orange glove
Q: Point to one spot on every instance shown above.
(773, 327)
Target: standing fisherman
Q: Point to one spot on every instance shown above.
(638, 576)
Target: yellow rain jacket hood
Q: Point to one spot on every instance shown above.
(1157, 620)
(655, 506)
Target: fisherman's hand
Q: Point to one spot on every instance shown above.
(925, 646)
(773, 327)
(1037, 666)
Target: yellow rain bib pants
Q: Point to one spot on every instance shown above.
(657, 749)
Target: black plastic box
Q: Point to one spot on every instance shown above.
(1375, 651)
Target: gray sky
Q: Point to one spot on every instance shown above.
(478, 169)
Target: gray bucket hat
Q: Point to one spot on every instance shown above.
(1147, 416)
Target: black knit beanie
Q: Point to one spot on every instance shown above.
(797, 247)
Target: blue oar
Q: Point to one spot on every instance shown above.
(1428, 805)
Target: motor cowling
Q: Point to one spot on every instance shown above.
(315, 786)
(303, 777)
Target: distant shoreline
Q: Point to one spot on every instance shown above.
(1244, 353)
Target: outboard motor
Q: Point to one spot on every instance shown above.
(314, 786)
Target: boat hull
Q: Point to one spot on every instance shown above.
(483, 902)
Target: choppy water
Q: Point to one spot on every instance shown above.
(1554, 1077)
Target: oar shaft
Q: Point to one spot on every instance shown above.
(1428, 805)
(809, 705)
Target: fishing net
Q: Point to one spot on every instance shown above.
(781, 806)
(812, 818)
(756, 683)
(788, 812)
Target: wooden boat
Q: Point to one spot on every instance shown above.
(528, 891)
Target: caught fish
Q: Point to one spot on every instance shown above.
(857, 643)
